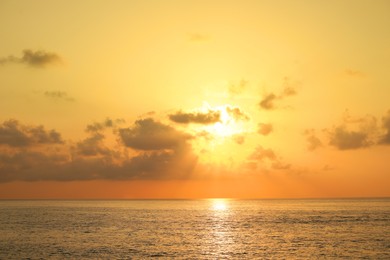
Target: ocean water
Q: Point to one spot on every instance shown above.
(195, 229)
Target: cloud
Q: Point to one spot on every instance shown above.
(37, 166)
(348, 119)
(236, 113)
(161, 152)
(354, 132)
(313, 141)
(147, 134)
(260, 154)
(92, 146)
(38, 59)
(58, 95)
(264, 129)
(26, 165)
(343, 139)
(236, 89)
(108, 123)
(210, 117)
(14, 134)
(176, 164)
(267, 102)
(9, 59)
(289, 89)
(385, 139)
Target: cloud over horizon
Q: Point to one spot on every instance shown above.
(150, 150)
(160, 152)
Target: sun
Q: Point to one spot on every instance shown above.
(218, 141)
(227, 126)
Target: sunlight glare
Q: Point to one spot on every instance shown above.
(228, 126)
(219, 204)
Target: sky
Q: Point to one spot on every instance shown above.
(194, 99)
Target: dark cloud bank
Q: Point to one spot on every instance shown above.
(147, 150)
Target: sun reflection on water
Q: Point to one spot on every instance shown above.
(218, 240)
(219, 204)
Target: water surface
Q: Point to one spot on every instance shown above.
(197, 229)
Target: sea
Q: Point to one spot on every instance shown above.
(195, 229)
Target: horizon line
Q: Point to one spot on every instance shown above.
(209, 198)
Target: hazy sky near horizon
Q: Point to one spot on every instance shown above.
(157, 99)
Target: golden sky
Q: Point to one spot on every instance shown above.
(194, 99)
